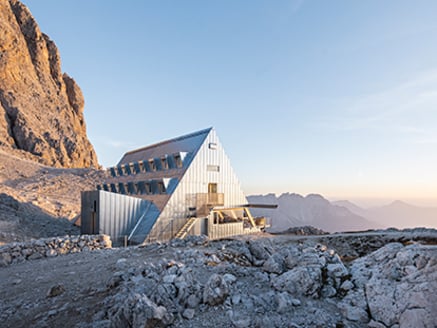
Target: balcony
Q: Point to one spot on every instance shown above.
(206, 201)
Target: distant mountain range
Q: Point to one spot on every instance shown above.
(397, 214)
(296, 210)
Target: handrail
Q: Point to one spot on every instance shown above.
(161, 232)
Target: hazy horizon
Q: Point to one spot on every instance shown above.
(364, 202)
(374, 202)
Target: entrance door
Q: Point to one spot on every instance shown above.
(212, 188)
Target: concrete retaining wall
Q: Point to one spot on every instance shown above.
(49, 247)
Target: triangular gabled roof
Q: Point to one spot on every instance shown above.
(134, 176)
(188, 143)
(174, 178)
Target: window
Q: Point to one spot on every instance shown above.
(161, 187)
(212, 188)
(127, 169)
(137, 167)
(131, 188)
(212, 145)
(144, 165)
(121, 188)
(152, 165)
(164, 163)
(120, 170)
(213, 168)
(140, 188)
(178, 160)
(148, 188)
(113, 172)
(132, 168)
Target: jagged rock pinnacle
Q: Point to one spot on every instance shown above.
(41, 108)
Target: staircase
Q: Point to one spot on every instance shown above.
(182, 233)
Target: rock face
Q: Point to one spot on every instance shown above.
(395, 285)
(41, 108)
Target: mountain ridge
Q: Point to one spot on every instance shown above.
(398, 214)
(315, 210)
(41, 108)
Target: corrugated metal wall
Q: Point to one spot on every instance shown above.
(114, 214)
(195, 181)
(216, 231)
(119, 214)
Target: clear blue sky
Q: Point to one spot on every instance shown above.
(330, 97)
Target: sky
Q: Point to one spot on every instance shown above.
(331, 97)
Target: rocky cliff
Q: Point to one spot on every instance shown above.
(41, 108)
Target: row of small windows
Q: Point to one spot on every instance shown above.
(166, 162)
(151, 187)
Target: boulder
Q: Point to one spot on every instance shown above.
(299, 281)
(216, 290)
(396, 284)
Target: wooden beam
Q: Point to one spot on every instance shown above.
(249, 215)
(261, 205)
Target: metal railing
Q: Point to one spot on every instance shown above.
(205, 201)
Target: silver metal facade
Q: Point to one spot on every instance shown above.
(196, 180)
(114, 214)
(159, 216)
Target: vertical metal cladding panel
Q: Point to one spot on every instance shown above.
(118, 214)
(217, 231)
(196, 180)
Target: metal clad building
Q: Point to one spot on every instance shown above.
(112, 214)
(156, 192)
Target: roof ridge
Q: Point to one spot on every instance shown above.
(185, 136)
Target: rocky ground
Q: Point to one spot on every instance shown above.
(251, 281)
(38, 201)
